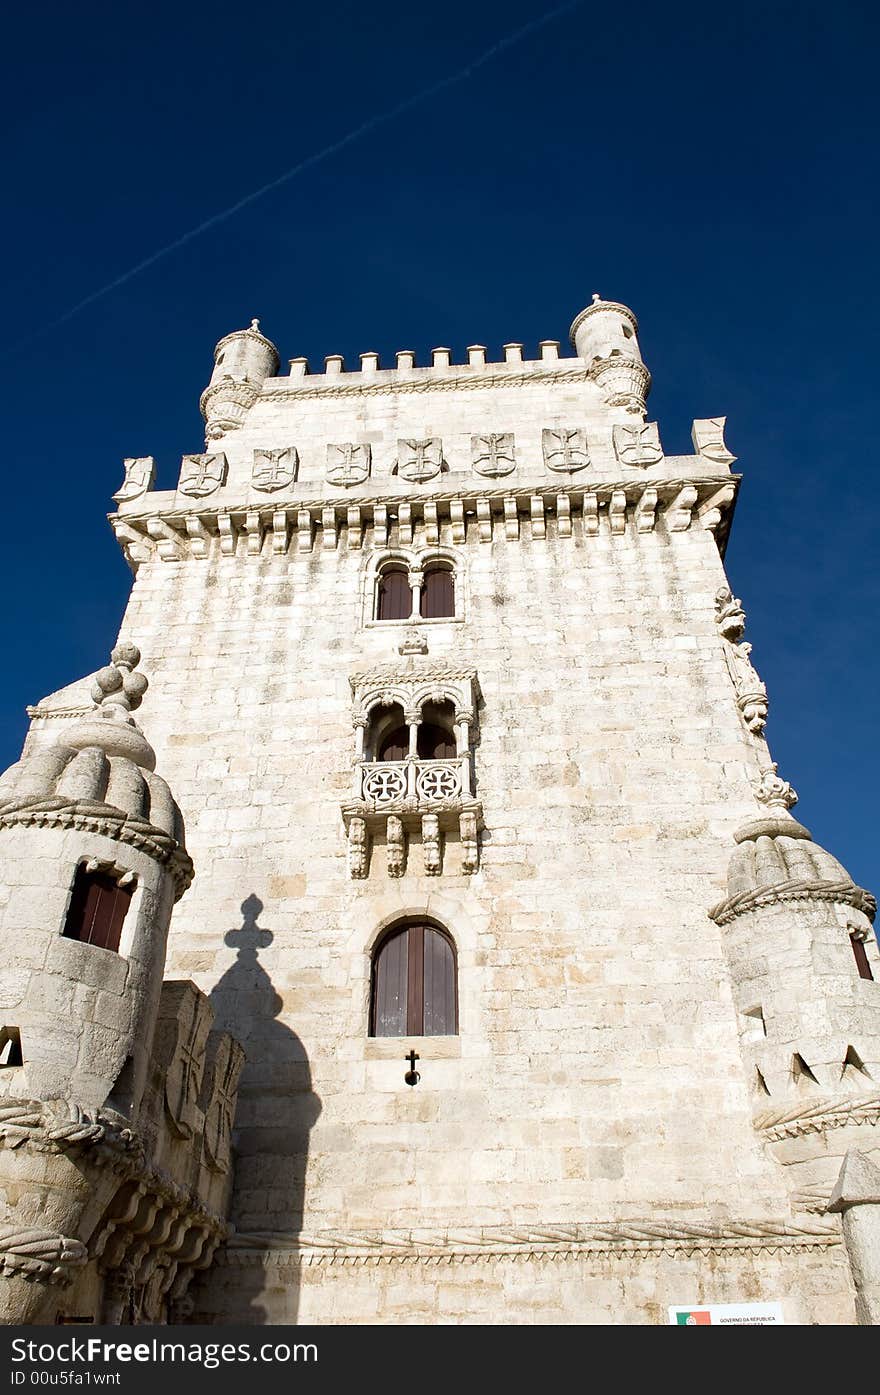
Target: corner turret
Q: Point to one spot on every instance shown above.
(243, 361)
(804, 966)
(93, 858)
(605, 336)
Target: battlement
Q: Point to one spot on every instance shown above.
(441, 362)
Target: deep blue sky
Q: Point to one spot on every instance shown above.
(713, 167)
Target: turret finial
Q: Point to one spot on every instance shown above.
(255, 324)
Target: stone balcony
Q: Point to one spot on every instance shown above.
(399, 798)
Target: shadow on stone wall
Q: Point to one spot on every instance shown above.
(277, 1109)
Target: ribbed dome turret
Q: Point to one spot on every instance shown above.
(776, 858)
(103, 771)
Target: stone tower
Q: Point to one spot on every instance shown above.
(114, 1145)
(552, 1011)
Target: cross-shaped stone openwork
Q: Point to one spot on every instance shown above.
(493, 454)
(412, 1076)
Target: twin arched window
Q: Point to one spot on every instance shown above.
(414, 992)
(389, 737)
(396, 597)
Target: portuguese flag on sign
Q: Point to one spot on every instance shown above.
(698, 1317)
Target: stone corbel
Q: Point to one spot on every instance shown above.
(711, 510)
(431, 844)
(680, 510)
(135, 548)
(467, 825)
(395, 845)
(646, 511)
(358, 851)
(169, 543)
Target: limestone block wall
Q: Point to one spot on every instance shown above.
(597, 1070)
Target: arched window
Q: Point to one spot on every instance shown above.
(394, 746)
(414, 989)
(438, 594)
(394, 596)
(436, 734)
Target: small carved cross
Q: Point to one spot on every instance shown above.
(412, 1076)
(271, 470)
(201, 475)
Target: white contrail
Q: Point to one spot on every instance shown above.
(307, 163)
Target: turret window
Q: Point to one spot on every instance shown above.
(414, 990)
(863, 964)
(98, 907)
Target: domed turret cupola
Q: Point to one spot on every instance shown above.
(92, 858)
(605, 336)
(242, 363)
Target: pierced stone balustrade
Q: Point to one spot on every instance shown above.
(399, 798)
(413, 781)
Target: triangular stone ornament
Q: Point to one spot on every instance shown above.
(858, 1183)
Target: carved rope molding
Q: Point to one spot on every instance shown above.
(431, 382)
(38, 1254)
(98, 818)
(625, 1238)
(804, 1117)
(62, 1125)
(846, 893)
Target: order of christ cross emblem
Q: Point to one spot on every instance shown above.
(348, 464)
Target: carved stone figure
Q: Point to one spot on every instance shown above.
(565, 452)
(419, 460)
(751, 694)
(274, 469)
(638, 445)
(140, 474)
(201, 475)
(493, 454)
(348, 464)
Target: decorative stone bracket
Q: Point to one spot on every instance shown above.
(751, 694)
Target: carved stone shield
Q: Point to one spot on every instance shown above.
(202, 474)
(419, 460)
(565, 451)
(708, 438)
(140, 473)
(493, 454)
(638, 445)
(274, 469)
(348, 464)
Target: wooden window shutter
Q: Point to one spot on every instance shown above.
(395, 595)
(438, 594)
(98, 906)
(414, 984)
(861, 956)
